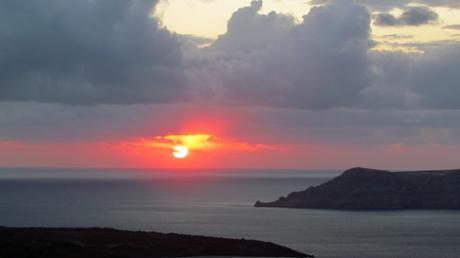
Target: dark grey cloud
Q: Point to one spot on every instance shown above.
(325, 62)
(427, 81)
(268, 60)
(47, 123)
(86, 52)
(247, 30)
(412, 16)
(435, 77)
(50, 122)
(387, 19)
(389, 87)
(372, 4)
(362, 127)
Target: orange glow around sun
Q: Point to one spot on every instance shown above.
(191, 149)
(183, 145)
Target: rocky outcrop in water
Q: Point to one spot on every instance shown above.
(371, 189)
(98, 242)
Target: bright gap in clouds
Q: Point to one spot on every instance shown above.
(209, 18)
(401, 37)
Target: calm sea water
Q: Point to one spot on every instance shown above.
(219, 203)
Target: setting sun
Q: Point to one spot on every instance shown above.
(180, 152)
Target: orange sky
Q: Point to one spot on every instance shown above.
(230, 155)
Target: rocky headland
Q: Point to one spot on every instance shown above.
(371, 189)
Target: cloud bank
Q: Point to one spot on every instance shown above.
(114, 52)
(87, 52)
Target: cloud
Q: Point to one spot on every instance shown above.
(372, 4)
(325, 62)
(87, 52)
(247, 30)
(397, 36)
(268, 60)
(257, 127)
(435, 77)
(427, 81)
(452, 27)
(412, 16)
(114, 52)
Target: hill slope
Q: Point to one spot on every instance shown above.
(363, 188)
(103, 242)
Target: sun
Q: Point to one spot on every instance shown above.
(180, 152)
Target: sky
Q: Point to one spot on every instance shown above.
(241, 84)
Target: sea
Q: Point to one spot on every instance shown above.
(220, 203)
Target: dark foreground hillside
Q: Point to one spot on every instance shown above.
(365, 189)
(98, 242)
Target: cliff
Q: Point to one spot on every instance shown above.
(103, 242)
(371, 189)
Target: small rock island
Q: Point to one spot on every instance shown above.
(105, 242)
(371, 189)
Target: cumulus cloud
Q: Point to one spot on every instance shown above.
(86, 52)
(247, 30)
(412, 16)
(266, 59)
(322, 63)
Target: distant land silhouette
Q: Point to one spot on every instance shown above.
(372, 189)
(104, 242)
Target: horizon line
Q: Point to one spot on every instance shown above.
(162, 168)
